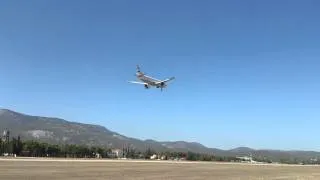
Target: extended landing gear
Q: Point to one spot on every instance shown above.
(162, 85)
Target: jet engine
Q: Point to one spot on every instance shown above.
(161, 85)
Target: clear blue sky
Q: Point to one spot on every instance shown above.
(247, 72)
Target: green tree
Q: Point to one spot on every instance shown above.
(148, 153)
(53, 150)
(19, 146)
(1, 146)
(132, 153)
(102, 152)
(93, 151)
(192, 156)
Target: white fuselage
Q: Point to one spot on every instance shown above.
(147, 79)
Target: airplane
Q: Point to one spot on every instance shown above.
(148, 81)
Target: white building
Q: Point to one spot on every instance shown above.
(116, 153)
(244, 158)
(153, 156)
(163, 157)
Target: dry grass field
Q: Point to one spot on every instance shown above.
(42, 169)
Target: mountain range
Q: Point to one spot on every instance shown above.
(60, 131)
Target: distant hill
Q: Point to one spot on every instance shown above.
(194, 147)
(242, 150)
(60, 131)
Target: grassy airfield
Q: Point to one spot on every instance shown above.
(71, 169)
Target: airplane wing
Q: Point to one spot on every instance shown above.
(136, 82)
(166, 80)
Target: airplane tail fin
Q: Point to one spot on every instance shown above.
(138, 68)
